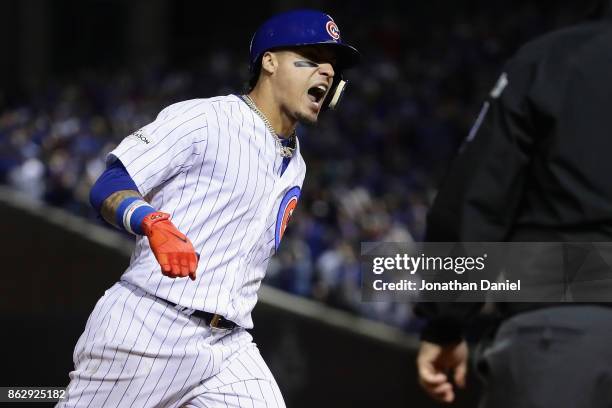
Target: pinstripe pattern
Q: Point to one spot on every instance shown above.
(171, 360)
(213, 165)
(245, 382)
(218, 167)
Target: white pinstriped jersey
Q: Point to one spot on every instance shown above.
(215, 168)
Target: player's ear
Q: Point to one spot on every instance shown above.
(269, 62)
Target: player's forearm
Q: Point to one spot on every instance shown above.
(116, 198)
(111, 205)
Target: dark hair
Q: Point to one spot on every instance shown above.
(253, 78)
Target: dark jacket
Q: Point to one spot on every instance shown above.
(537, 166)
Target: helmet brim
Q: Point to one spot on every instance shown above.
(348, 56)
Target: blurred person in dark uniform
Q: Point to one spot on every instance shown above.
(536, 167)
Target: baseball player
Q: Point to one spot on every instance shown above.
(208, 189)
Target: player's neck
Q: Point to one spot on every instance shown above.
(282, 124)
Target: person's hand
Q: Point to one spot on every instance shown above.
(172, 249)
(436, 363)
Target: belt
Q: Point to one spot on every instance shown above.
(213, 320)
(216, 321)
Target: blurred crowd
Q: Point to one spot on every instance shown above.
(373, 164)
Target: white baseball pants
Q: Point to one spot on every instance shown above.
(139, 351)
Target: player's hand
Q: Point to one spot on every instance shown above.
(436, 364)
(172, 249)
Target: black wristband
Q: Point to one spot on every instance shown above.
(442, 332)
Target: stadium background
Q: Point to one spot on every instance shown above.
(78, 76)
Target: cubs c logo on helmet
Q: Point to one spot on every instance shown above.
(285, 211)
(332, 30)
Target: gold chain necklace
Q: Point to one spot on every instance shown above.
(284, 151)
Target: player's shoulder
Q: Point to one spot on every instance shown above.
(563, 44)
(197, 107)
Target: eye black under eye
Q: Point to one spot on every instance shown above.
(305, 64)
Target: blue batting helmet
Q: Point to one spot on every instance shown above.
(304, 27)
(300, 27)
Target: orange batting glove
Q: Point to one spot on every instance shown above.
(172, 249)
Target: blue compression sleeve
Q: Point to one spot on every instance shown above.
(115, 178)
(132, 210)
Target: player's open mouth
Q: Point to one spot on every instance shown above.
(317, 93)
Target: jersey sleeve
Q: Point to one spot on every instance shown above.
(164, 148)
